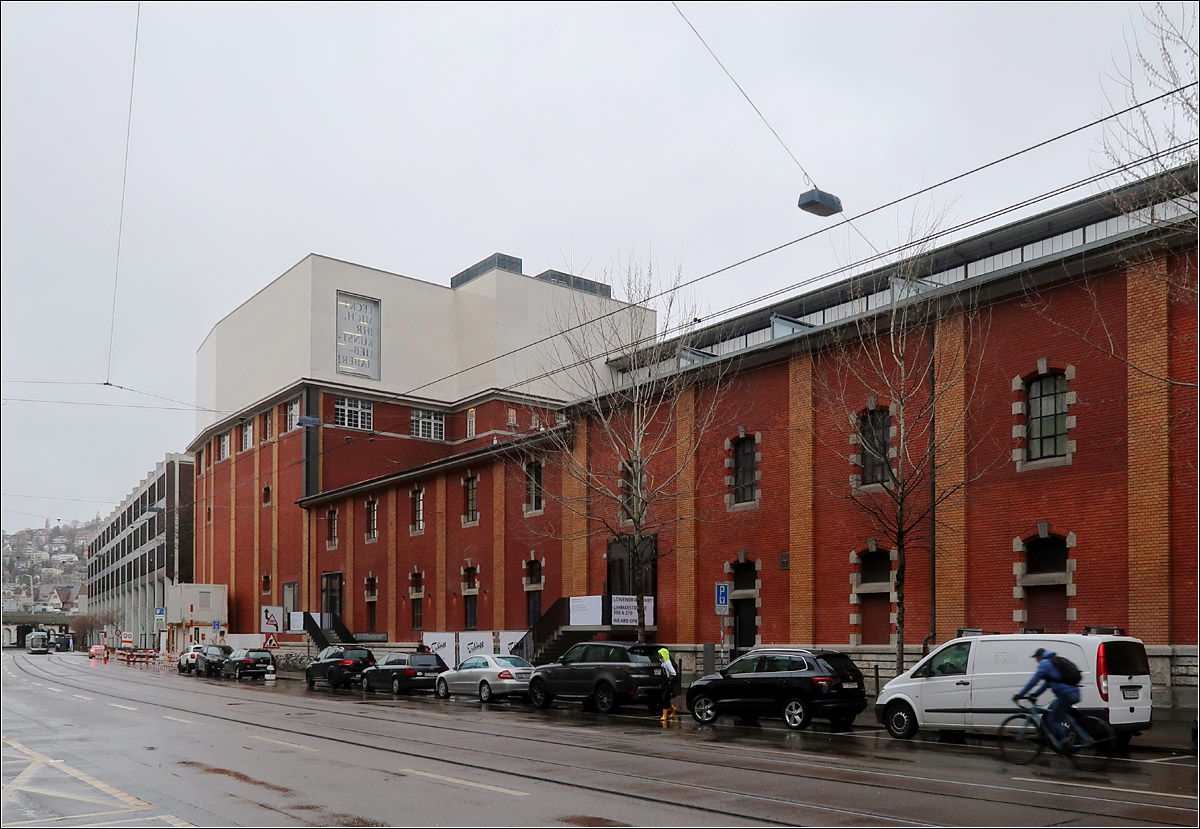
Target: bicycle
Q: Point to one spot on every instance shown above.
(1088, 743)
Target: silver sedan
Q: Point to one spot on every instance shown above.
(488, 676)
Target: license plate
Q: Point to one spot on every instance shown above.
(1130, 693)
(850, 685)
(522, 674)
(657, 670)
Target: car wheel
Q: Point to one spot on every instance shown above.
(237, 674)
(485, 692)
(396, 685)
(900, 721)
(182, 669)
(539, 695)
(704, 709)
(796, 715)
(605, 698)
(441, 689)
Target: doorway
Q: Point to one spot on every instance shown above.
(331, 593)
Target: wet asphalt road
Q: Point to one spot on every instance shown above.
(88, 744)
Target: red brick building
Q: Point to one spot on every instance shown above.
(1049, 415)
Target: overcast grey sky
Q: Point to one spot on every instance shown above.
(421, 138)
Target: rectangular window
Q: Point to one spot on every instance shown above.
(875, 431)
(471, 499)
(417, 501)
(417, 615)
(535, 422)
(205, 600)
(512, 415)
(266, 584)
(352, 413)
(428, 424)
(371, 617)
(247, 430)
(470, 423)
(223, 446)
(291, 592)
(199, 461)
(293, 415)
(745, 466)
(266, 426)
(533, 486)
(266, 496)
(470, 612)
(1046, 430)
(372, 520)
(533, 607)
(331, 521)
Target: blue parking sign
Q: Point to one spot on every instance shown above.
(722, 598)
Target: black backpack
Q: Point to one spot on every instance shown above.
(1067, 671)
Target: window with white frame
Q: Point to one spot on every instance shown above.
(266, 426)
(223, 446)
(417, 503)
(372, 519)
(470, 499)
(512, 415)
(293, 415)
(471, 423)
(247, 430)
(533, 486)
(352, 413)
(535, 422)
(331, 521)
(428, 424)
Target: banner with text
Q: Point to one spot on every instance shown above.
(475, 643)
(442, 644)
(509, 640)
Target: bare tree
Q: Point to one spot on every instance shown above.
(895, 385)
(643, 396)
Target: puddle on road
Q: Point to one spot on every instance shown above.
(588, 820)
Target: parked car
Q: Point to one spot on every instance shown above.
(604, 675)
(247, 662)
(187, 659)
(968, 683)
(791, 683)
(96, 651)
(339, 665)
(405, 672)
(490, 676)
(210, 658)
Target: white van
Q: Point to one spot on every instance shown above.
(968, 683)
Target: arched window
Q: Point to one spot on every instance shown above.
(1046, 417)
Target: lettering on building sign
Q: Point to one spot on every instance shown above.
(358, 326)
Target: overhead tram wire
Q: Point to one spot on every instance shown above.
(807, 178)
(112, 322)
(807, 236)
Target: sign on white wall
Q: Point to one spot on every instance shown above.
(270, 619)
(474, 643)
(357, 335)
(442, 644)
(586, 610)
(509, 640)
(296, 620)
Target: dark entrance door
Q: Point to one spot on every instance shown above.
(331, 593)
(745, 610)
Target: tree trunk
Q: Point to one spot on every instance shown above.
(900, 563)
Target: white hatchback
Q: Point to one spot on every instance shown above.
(968, 683)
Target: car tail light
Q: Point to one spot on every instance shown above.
(629, 671)
(409, 672)
(370, 661)
(824, 683)
(504, 675)
(346, 662)
(1102, 673)
(248, 661)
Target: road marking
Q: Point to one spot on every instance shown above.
(179, 719)
(170, 820)
(1170, 759)
(498, 789)
(1106, 788)
(283, 743)
(55, 690)
(126, 707)
(81, 696)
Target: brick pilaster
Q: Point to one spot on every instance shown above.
(802, 572)
(950, 458)
(1147, 403)
(439, 507)
(685, 511)
(575, 544)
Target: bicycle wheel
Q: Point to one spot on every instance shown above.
(1020, 739)
(1091, 742)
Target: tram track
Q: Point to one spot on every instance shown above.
(793, 773)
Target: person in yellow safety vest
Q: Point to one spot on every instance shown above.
(668, 687)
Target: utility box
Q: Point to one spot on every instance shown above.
(196, 614)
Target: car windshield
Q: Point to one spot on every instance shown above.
(512, 662)
(356, 653)
(258, 653)
(642, 656)
(425, 660)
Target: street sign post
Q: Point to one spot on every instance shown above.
(160, 615)
(723, 598)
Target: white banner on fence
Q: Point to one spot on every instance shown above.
(296, 621)
(442, 644)
(624, 610)
(509, 639)
(474, 643)
(586, 610)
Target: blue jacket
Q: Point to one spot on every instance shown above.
(1050, 678)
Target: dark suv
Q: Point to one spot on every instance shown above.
(210, 659)
(605, 675)
(782, 682)
(339, 665)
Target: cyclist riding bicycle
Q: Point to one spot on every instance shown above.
(1065, 694)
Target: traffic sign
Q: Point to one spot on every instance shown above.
(160, 614)
(270, 643)
(216, 626)
(270, 619)
(723, 597)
